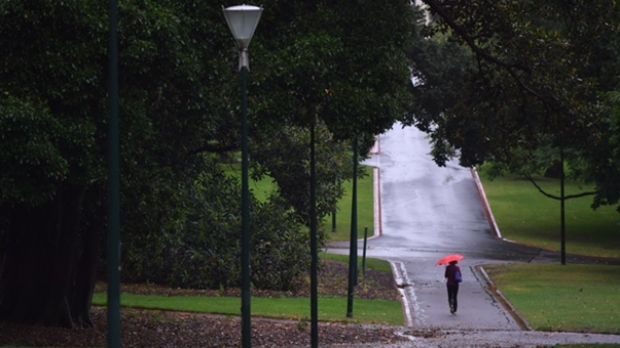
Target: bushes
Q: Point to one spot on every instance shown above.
(280, 249)
(201, 250)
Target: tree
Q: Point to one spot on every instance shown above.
(348, 72)
(532, 93)
(178, 99)
(532, 77)
(52, 97)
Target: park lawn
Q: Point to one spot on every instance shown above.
(330, 308)
(365, 203)
(365, 209)
(583, 298)
(526, 216)
(261, 189)
(371, 263)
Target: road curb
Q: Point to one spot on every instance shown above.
(492, 289)
(411, 310)
(376, 182)
(485, 204)
(376, 191)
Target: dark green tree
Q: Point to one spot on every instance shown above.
(178, 105)
(525, 80)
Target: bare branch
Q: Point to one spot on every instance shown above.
(577, 195)
(468, 39)
(541, 190)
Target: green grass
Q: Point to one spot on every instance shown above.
(261, 189)
(566, 298)
(365, 203)
(330, 309)
(526, 216)
(371, 263)
(365, 210)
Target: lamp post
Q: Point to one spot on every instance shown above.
(353, 239)
(314, 281)
(113, 237)
(242, 21)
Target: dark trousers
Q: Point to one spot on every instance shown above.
(453, 291)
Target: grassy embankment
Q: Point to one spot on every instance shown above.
(525, 215)
(554, 297)
(365, 210)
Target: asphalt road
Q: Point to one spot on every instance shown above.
(429, 212)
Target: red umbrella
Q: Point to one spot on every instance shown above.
(446, 260)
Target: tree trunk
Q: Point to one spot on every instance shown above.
(48, 270)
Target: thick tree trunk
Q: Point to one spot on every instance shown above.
(48, 270)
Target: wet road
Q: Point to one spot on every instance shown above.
(431, 209)
(428, 212)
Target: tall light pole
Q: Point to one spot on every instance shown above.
(113, 239)
(353, 239)
(314, 281)
(242, 21)
(562, 209)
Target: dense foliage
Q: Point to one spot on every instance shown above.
(179, 102)
(520, 82)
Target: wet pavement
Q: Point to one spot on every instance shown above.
(429, 212)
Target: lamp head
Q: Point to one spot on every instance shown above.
(242, 21)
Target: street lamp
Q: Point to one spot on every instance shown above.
(353, 239)
(113, 253)
(242, 21)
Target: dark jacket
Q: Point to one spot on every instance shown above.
(450, 274)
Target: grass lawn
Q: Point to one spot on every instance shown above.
(261, 189)
(565, 298)
(375, 264)
(330, 309)
(525, 215)
(365, 210)
(365, 203)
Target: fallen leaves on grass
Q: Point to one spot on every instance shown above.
(147, 328)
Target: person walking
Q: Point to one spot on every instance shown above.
(453, 278)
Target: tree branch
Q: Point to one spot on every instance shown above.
(460, 31)
(577, 195)
(481, 53)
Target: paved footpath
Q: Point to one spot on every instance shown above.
(428, 212)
